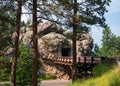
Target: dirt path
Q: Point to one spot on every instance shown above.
(55, 83)
(47, 83)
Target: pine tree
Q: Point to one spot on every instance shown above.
(79, 15)
(16, 45)
(110, 44)
(35, 45)
(7, 23)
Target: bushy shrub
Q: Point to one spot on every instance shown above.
(24, 66)
(45, 77)
(4, 69)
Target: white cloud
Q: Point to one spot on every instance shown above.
(114, 6)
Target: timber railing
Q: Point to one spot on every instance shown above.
(84, 64)
(64, 60)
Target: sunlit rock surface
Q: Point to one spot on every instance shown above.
(54, 41)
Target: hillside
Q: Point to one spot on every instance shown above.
(105, 74)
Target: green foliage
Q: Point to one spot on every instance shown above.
(24, 66)
(105, 74)
(110, 44)
(22, 24)
(7, 24)
(107, 35)
(101, 69)
(95, 50)
(91, 12)
(4, 74)
(4, 69)
(104, 67)
(46, 77)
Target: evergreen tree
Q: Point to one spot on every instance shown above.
(79, 15)
(106, 38)
(110, 44)
(7, 23)
(89, 12)
(35, 45)
(107, 35)
(24, 66)
(4, 69)
(16, 44)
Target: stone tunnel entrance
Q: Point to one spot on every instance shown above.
(66, 51)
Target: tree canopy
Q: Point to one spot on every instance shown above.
(77, 14)
(7, 24)
(110, 44)
(89, 12)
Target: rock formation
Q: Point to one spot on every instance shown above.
(55, 41)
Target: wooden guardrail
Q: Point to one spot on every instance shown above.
(69, 60)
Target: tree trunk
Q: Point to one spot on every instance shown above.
(16, 45)
(35, 44)
(75, 26)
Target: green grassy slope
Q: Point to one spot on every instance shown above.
(105, 74)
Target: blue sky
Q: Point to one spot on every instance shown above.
(112, 19)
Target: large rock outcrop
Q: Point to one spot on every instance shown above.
(55, 41)
(52, 37)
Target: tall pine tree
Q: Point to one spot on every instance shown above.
(110, 44)
(16, 45)
(7, 23)
(35, 45)
(76, 14)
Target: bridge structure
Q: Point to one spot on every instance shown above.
(84, 64)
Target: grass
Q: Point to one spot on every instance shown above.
(105, 74)
(46, 77)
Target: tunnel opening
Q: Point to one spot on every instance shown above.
(66, 51)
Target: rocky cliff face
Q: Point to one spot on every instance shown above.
(54, 41)
(52, 38)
